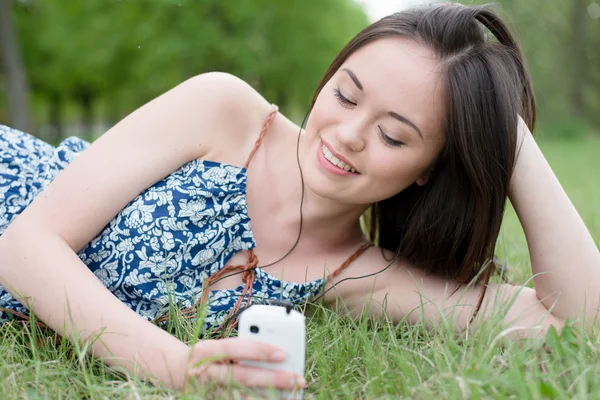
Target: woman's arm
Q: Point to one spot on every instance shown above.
(38, 250)
(70, 299)
(564, 258)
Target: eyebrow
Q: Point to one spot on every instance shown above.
(391, 113)
(406, 121)
(354, 78)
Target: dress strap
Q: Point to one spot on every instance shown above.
(247, 271)
(263, 132)
(349, 260)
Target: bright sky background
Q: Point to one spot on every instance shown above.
(377, 9)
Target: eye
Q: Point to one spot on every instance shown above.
(388, 140)
(343, 100)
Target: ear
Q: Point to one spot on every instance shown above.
(423, 179)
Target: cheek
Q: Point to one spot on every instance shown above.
(396, 170)
(324, 113)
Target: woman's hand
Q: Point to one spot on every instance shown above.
(218, 361)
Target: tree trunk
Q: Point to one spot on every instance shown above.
(14, 72)
(85, 98)
(55, 117)
(114, 109)
(579, 61)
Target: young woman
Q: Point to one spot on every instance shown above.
(417, 123)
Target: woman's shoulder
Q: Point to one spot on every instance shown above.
(236, 115)
(239, 102)
(376, 267)
(233, 91)
(378, 256)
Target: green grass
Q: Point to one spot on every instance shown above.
(371, 359)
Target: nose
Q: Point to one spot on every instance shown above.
(351, 136)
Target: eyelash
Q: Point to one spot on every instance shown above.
(347, 103)
(342, 99)
(388, 140)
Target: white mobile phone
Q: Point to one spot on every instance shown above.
(280, 326)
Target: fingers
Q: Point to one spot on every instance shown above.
(209, 363)
(248, 376)
(236, 349)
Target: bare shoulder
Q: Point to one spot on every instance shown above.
(231, 94)
(229, 108)
(383, 271)
(369, 273)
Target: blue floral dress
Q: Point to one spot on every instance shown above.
(164, 244)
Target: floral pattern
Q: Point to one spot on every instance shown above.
(162, 246)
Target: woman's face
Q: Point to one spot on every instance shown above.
(380, 114)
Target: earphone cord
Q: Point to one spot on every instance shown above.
(301, 203)
(235, 316)
(326, 291)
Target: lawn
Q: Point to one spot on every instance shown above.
(362, 359)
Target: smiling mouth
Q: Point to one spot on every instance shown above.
(335, 161)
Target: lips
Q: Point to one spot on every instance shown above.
(339, 156)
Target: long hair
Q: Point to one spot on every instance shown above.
(449, 226)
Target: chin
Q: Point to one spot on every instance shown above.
(318, 184)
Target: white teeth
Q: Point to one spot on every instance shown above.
(335, 161)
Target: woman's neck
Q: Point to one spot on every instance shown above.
(275, 193)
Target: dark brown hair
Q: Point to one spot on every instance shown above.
(449, 227)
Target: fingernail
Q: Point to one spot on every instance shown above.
(277, 356)
(297, 381)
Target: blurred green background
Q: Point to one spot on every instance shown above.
(75, 67)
